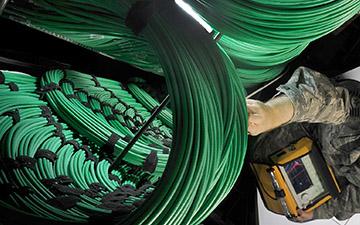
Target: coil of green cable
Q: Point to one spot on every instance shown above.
(47, 170)
(259, 36)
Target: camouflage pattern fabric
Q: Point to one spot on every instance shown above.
(322, 112)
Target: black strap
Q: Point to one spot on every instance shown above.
(109, 146)
(86, 104)
(95, 189)
(110, 117)
(50, 87)
(167, 142)
(117, 208)
(14, 114)
(72, 96)
(74, 143)
(112, 95)
(64, 202)
(97, 111)
(89, 155)
(13, 86)
(64, 180)
(114, 178)
(47, 154)
(45, 111)
(26, 161)
(150, 162)
(127, 138)
(93, 78)
(62, 81)
(2, 77)
(116, 111)
(166, 150)
(60, 189)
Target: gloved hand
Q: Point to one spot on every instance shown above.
(304, 216)
(267, 116)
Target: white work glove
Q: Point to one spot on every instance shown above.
(267, 116)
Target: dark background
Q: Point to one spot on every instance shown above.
(31, 51)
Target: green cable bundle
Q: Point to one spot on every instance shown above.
(50, 171)
(148, 101)
(210, 123)
(260, 36)
(92, 117)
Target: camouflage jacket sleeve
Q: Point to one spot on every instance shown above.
(343, 207)
(315, 98)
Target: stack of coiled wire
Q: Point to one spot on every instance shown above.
(53, 167)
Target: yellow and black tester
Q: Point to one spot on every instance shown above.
(298, 178)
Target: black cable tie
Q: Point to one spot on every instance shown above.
(115, 196)
(49, 182)
(86, 104)
(47, 154)
(62, 179)
(110, 117)
(65, 180)
(114, 178)
(62, 81)
(2, 77)
(166, 151)
(11, 163)
(50, 120)
(89, 155)
(93, 78)
(50, 87)
(45, 111)
(116, 111)
(127, 138)
(69, 96)
(13, 86)
(60, 189)
(15, 115)
(98, 111)
(96, 188)
(141, 12)
(74, 143)
(116, 207)
(109, 146)
(58, 130)
(134, 129)
(64, 202)
(26, 161)
(150, 162)
(167, 142)
(127, 117)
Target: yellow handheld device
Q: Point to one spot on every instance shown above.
(298, 178)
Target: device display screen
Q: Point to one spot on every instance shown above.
(298, 175)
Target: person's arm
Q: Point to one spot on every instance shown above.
(266, 116)
(343, 207)
(315, 98)
(307, 97)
